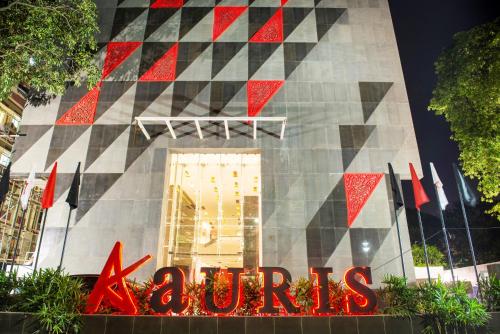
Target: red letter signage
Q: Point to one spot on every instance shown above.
(174, 290)
(209, 290)
(359, 289)
(121, 297)
(279, 291)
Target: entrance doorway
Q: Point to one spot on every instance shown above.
(213, 212)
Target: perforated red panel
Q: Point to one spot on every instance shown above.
(283, 2)
(272, 31)
(167, 4)
(83, 112)
(259, 93)
(116, 53)
(358, 188)
(164, 68)
(224, 17)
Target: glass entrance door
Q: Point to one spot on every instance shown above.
(213, 213)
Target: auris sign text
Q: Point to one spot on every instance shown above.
(168, 295)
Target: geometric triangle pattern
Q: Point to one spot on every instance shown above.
(227, 58)
(358, 188)
(371, 94)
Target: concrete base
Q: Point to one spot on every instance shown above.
(11, 323)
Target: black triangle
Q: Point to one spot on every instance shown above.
(325, 18)
(222, 54)
(151, 52)
(316, 2)
(190, 16)
(295, 54)
(62, 138)
(327, 227)
(124, 17)
(371, 94)
(258, 54)
(292, 17)
(92, 188)
(146, 93)
(101, 136)
(111, 91)
(257, 17)
(188, 52)
(33, 134)
(373, 236)
(352, 139)
(156, 18)
(221, 92)
(184, 93)
(71, 96)
(137, 142)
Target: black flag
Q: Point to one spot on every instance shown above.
(467, 193)
(72, 198)
(396, 193)
(4, 183)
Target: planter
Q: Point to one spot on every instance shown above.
(20, 323)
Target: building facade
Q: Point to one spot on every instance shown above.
(231, 133)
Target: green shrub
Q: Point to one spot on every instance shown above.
(55, 298)
(436, 258)
(397, 298)
(490, 291)
(251, 293)
(303, 292)
(7, 284)
(448, 309)
(337, 294)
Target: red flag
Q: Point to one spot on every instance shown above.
(48, 192)
(418, 191)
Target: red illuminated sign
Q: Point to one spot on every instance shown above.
(169, 297)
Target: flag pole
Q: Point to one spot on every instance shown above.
(41, 238)
(466, 222)
(65, 237)
(400, 244)
(441, 217)
(425, 245)
(14, 256)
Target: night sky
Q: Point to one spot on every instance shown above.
(423, 29)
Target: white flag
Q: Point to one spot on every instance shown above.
(25, 195)
(443, 201)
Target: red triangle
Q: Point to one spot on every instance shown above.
(167, 4)
(358, 188)
(224, 17)
(283, 2)
(259, 93)
(116, 53)
(83, 112)
(272, 31)
(164, 68)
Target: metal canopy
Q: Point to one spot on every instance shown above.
(196, 120)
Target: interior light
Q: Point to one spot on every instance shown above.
(365, 246)
(235, 173)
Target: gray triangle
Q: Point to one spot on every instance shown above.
(112, 158)
(135, 30)
(161, 106)
(200, 69)
(101, 138)
(352, 139)
(59, 146)
(200, 3)
(120, 112)
(266, 3)
(200, 105)
(168, 31)
(273, 68)
(94, 186)
(306, 31)
(299, 3)
(202, 32)
(371, 94)
(237, 31)
(236, 69)
(237, 106)
(135, 3)
(373, 237)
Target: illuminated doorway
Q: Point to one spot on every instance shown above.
(213, 212)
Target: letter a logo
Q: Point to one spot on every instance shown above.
(113, 287)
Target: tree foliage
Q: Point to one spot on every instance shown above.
(45, 44)
(436, 258)
(468, 95)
